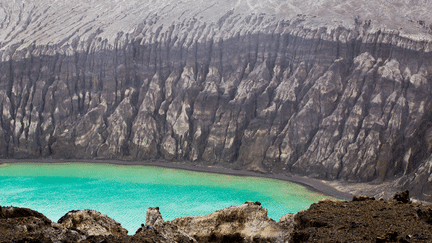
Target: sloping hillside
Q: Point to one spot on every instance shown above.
(329, 89)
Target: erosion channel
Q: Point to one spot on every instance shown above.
(334, 90)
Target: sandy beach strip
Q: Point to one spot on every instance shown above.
(312, 184)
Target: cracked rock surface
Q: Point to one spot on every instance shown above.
(336, 90)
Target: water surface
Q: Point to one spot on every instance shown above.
(124, 192)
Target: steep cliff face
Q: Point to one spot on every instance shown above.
(329, 89)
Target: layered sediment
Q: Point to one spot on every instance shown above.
(336, 90)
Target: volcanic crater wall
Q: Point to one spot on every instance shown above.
(249, 91)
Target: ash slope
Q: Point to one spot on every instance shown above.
(329, 89)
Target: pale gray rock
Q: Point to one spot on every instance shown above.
(91, 222)
(247, 222)
(169, 147)
(118, 129)
(170, 233)
(203, 114)
(154, 217)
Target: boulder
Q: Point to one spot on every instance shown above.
(154, 217)
(26, 225)
(362, 198)
(402, 197)
(15, 212)
(91, 223)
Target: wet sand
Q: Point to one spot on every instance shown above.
(320, 186)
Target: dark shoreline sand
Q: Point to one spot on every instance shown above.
(312, 184)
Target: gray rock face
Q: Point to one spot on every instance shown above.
(340, 90)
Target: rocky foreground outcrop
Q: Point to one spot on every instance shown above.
(90, 222)
(336, 90)
(243, 223)
(363, 219)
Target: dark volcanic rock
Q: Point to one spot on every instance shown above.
(363, 221)
(26, 225)
(338, 91)
(363, 198)
(402, 196)
(14, 212)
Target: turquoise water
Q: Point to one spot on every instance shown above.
(125, 192)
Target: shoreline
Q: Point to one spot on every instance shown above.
(311, 184)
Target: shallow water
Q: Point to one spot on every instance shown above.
(124, 192)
